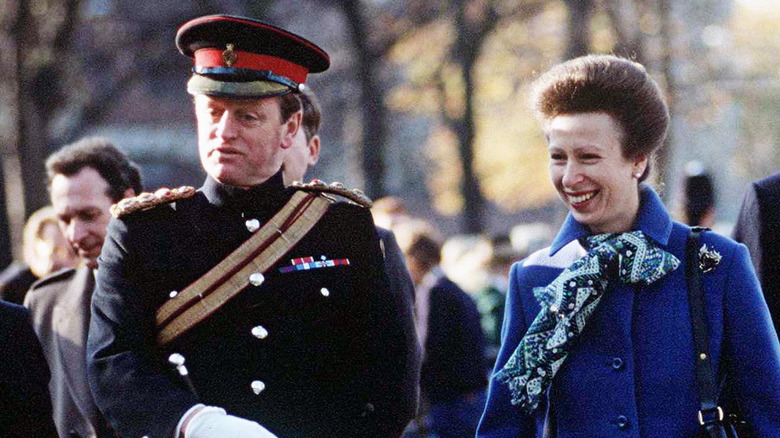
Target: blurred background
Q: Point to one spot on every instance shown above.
(426, 100)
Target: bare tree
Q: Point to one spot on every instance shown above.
(372, 99)
(67, 73)
(578, 42)
(42, 48)
(38, 39)
(372, 33)
(625, 17)
(474, 21)
(667, 37)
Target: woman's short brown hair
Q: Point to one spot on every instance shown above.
(612, 85)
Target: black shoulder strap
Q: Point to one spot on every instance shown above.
(710, 414)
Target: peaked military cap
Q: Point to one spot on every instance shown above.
(243, 57)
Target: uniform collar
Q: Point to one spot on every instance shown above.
(263, 196)
(653, 220)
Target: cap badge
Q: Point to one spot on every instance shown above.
(229, 56)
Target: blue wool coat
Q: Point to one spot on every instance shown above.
(631, 372)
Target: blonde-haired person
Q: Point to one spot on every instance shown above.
(597, 338)
(44, 250)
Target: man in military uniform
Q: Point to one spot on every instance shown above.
(304, 153)
(85, 178)
(275, 297)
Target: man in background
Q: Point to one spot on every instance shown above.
(85, 179)
(758, 227)
(304, 153)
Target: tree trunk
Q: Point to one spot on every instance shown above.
(579, 28)
(665, 152)
(624, 16)
(466, 51)
(32, 148)
(373, 115)
(13, 177)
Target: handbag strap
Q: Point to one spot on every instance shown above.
(710, 414)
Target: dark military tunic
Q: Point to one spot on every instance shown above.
(308, 353)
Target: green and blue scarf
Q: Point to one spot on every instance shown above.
(569, 301)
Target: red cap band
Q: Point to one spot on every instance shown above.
(210, 58)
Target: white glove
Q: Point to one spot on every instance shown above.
(202, 421)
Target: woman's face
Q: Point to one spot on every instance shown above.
(596, 182)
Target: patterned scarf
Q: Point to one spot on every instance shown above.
(570, 300)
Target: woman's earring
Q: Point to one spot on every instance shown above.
(637, 175)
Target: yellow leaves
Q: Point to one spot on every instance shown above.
(603, 37)
(409, 99)
(511, 158)
(430, 43)
(446, 175)
(510, 155)
(454, 94)
(510, 161)
(755, 32)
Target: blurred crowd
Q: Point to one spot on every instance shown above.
(460, 289)
(299, 317)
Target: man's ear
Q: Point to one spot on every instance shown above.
(290, 128)
(314, 150)
(129, 193)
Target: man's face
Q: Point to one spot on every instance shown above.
(82, 204)
(300, 156)
(242, 141)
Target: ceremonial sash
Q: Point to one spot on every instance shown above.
(230, 276)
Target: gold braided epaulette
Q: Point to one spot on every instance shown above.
(336, 188)
(148, 200)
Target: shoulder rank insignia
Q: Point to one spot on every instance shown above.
(336, 188)
(708, 259)
(148, 200)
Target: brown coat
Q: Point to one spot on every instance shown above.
(60, 308)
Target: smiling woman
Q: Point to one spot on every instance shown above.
(590, 173)
(597, 333)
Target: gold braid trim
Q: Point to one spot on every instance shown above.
(355, 195)
(148, 200)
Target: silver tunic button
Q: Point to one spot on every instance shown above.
(259, 332)
(252, 225)
(256, 279)
(325, 292)
(173, 293)
(258, 387)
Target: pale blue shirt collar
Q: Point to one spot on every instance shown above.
(653, 220)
